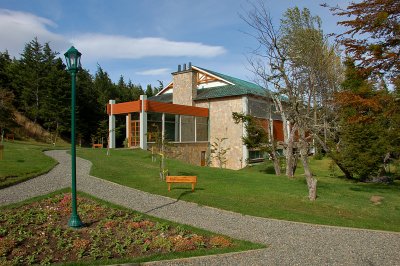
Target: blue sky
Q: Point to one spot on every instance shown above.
(145, 40)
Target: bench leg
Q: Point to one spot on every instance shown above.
(192, 186)
(169, 186)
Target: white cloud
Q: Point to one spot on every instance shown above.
(122, 47)
(18, 28)
(154, 72)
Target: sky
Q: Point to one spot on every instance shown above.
(145, 40)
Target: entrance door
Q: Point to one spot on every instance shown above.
(203, 158)
(135, 126)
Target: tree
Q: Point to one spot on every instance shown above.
(6, 110)
(104, 87)
(296, 60)
(5, 75)
(149, 90)
(31, 72)
(54, 111)
(257, 137)
(364, 147)
(219, 151)
(372, 38)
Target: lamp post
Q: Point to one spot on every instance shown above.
(73, 59)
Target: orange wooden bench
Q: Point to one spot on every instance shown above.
(181, 179)
(10, 136)
(97, 145)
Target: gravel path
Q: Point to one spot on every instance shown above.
(289, 243)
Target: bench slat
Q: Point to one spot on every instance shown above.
(181, 179)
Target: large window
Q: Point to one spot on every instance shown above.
(154, 126)
(187, 128)
(171, 127)
(201, 129)
(177, 128)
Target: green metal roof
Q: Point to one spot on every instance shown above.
(240, 87)
(164, 98)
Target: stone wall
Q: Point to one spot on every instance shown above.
(222, 125)
(185, 87)
(187, 152)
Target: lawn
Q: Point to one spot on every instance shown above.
(255, 191)
(23, 160)
(36, 232)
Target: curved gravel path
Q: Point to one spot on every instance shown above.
(289, 243)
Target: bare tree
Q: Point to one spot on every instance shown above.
(297, 63)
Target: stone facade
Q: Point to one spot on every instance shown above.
(187, 152)
(222, 125)
(185, 87)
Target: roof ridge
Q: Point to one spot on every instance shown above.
(228, 77)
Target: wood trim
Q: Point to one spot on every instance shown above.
(127, 107)
(176, 109)
(169, 86)
(212, 75)
(129, 125)
(108, 108)
(157, 107)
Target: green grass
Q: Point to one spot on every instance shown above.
(254, 191)
(23, 160)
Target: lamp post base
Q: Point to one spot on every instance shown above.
(75, 221)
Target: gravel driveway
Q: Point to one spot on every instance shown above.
(289, 243)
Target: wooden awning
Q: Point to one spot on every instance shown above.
(156, 107)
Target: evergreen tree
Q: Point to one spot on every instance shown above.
(55, 107)
(6, 110)
(363, 126)
(5, 75)
(104, 86)
(149, 90)
(31, 75)
(89, 112)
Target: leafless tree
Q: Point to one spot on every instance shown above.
(296, 63)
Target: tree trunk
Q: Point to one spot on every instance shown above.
(386, 162)
(277, 166)
(162, 160)
(56, 135)
(274, 157)
(290, 158)
(311, 181)
(346, 172)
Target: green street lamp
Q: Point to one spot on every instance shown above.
(73, 59)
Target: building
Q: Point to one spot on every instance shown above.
(194, 111)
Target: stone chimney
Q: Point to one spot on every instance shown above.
(185, 85)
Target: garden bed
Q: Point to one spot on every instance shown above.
(37, 233)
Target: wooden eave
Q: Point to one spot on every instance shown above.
(156, 107)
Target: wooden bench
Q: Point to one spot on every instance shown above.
(97, 145)
(10, 136)
(181, 179)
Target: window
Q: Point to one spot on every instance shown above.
(201, 129)
(256, 156)
(187, 128)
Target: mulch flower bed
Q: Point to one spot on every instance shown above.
(37, 233)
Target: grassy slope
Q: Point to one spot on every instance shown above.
(254, 192)
(23, 160)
